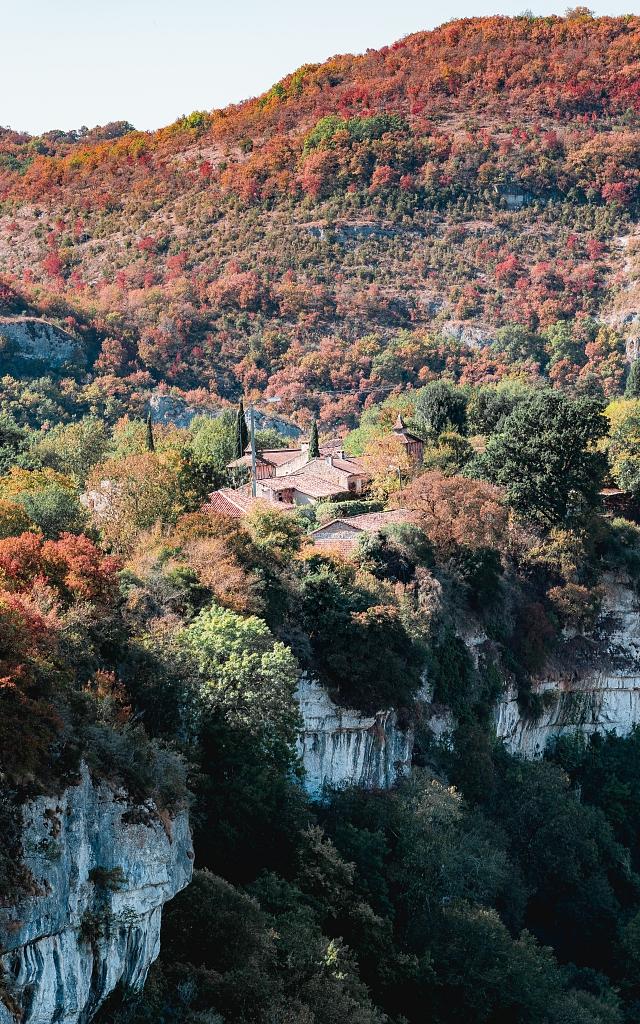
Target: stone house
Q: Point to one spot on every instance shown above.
(414, 445)
(345, 532)
(324, 478)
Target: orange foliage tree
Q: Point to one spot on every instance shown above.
(456, 511)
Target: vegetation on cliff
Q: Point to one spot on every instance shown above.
(442, 230)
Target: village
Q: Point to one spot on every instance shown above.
(308, 474)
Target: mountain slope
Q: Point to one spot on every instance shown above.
(306, 242)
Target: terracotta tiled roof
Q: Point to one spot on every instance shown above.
(280, 456)
(352, 466)
(270, 456)
(319, 478)
(376, 520)
(332, 444)
(312, 484)
(369, 521)
(230, 502)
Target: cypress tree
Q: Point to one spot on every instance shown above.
(314, 444)
(242, 434)
(632, 389)
(150, 443)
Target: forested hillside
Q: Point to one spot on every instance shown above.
(361, 226)
(444, 230)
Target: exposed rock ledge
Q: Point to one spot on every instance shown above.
(103, 868)
(342, 747)
(601, 693)
(38, 340)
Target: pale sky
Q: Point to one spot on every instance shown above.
(67, 63)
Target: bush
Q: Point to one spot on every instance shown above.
(480, 572)
(54, 510)
(328, 510)
(450, 671)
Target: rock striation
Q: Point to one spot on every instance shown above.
(101, 868)
(342, 747)
(600, 692)
(171, 410)
(594, 687)
(38, 341)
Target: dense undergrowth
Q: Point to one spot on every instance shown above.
(163, 646)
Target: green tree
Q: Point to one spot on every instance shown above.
(449, 453)
(246, 730)
(54, 510)
(314, 444)
(489, 406)
(440, 406)
(149, 443)
(246, 673)
(519, 344)
(13, 519)
(242, 434)
(212, 447)
(13, 441)
(545, 457)
(561, 343)
(623, 443)
(73, 448)
(632, 388)
(360, 648)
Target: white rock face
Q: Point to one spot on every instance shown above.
(171, 410)
(38, 340)
(602, 694)
(341, 747)
(103, 868)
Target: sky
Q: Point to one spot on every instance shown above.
(67, 63)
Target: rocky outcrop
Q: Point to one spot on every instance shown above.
(101, 870)
(599, 692)
(37, 340)
(169, 409)
(341, 747)
(594, 687)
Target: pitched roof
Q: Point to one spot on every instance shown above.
(403, 434)
(230, 502)
(376, 520)
(312, 484)
(349, 465)
(369, 521)
(280, 456)
(270, 456)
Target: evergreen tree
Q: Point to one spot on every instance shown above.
(632, 390)
(150, 443)
(242, 434)
(314, 444)
(546, 458)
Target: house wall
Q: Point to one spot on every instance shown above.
(337, 531)
(295, 464)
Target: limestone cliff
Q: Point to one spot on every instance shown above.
(101, 870)
(594, 688)
(342, 747)
(38, 341)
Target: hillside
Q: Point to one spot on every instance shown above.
(346, 727)
(367, 223)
